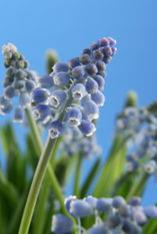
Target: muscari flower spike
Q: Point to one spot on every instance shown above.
(19, 83)
(86, 147)
(74, 90)
(112, 215)
(139, 127)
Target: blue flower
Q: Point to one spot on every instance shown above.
(9, 92)
(99, 229)
(91, 85)
(87, 128)
(57, 98)
(74, 62)
(113, 215)
(78, 91)
(55, 129)
(91, 69)
(46, 82)
(98, 98)
(40, 95)
(30, 86)
(78, 73)
(41, 112)
(100, 81)
(139, 128)
(19, 82)
(61, 67)
(85, 58)
(61, 78)
(74, 116)
(18, 115)
(151, 211)
(90, 109)
(92, 201)
(118, 202)
(104, 205)
(5, 105)
(80, 208)
(61, 224)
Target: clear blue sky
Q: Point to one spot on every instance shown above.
(70, 25)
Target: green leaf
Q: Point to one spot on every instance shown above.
(138, 185)
(16, 165)
(40, 212)
(112, 169)
(17, 213)
(7, 190)
(151, 227)
(90, 178)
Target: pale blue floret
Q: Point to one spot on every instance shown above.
(99, 229)
(68, 201)
(135, 201)
(61, 78)
(46, 82)
(41, 112)
(87, 128)
(74, 62)
(40, 95)
(78, 73)
(85, 58)
(91, 69)
(5, 105)
(98, 98)
(61, 224)
(78, 91)
(10, 92)
(104, 205)
(18, 115)
(151, 211)
(30, 86)
(74, 116)
(55, 129)
(24, 99)
(60, 67)
(100, 81)
(90, 109)
(139, 215)
(80, 208)
(91, 85)
(118, 201)
(92, 201)
(57, 98)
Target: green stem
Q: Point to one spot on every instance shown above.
(77, 176)
(34, 131)
(40, 212)
(35, 187)
(50, 175)
(138, 187)
(38, 144)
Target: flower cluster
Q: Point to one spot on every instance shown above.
(112, 215)
(19, 82)
(139, 127)
(72, 94)
(74, 144)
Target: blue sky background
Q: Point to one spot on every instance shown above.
(71, 25)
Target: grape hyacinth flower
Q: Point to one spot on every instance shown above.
(19, 82)
(139, 127)
(73, 92)
(61, 224)
(85, 147)
(112, 215)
